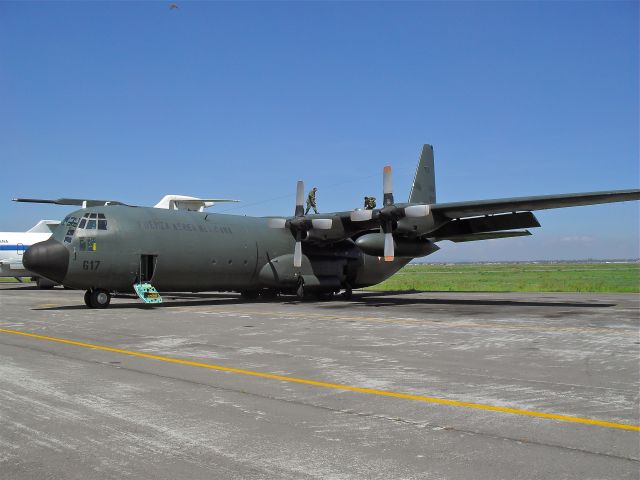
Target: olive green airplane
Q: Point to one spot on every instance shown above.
(109, 247)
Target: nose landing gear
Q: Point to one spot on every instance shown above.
(97, 298)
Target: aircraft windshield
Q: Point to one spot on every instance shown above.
(93, 221)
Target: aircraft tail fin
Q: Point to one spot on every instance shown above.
(424, 183)
(183, 202)
(44, 226)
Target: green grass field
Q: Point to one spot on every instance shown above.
(512, 277)
(518, 277)
(13, 280)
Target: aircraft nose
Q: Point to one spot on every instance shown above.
(49, 259)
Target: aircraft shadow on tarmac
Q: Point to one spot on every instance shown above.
(359, 299)
(379, 299)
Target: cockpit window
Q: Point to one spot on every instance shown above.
(69, 235)
(70, 221)
(92, 220)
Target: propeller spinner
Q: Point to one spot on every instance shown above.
(299, 224)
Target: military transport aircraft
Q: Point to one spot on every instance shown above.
(119, 248)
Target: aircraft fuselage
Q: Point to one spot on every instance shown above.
(193, 251)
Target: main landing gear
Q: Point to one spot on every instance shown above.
(348, 292)
(97, 298)
(322, 295)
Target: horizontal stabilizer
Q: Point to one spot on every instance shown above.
(472, 237)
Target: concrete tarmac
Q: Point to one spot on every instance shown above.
(383, 386)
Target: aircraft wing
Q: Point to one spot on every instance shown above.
(173, 202)
(82, 202)
(12, 263)
(526, 204)
(474, 220)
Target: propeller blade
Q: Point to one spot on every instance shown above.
(276, 222)
(297, 255)
(415, 211)
(388, 247)
(299, 199)
(387, 186)
(322, 223)
(361, 215)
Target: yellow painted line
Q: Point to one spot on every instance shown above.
(337, 386)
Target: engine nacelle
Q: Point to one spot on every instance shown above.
(373, 244)
(416, 221)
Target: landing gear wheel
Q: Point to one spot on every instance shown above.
(44, 284)
(268, 294)
(300, 290)
(249, 295)
(97, 298)
(324, 296)
(346, 295)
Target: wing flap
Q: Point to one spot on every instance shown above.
(492, 223)
(473, 237)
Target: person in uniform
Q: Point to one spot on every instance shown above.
(311, 201)
(369, 203)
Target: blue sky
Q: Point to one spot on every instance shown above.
(131, 101)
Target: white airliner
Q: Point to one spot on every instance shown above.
(14, 244)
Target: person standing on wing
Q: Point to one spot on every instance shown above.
(369, 203)
(311, 201)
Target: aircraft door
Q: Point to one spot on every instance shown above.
(20, 249)
(147, 267)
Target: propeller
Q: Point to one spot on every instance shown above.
(299, 224)
(389, 213)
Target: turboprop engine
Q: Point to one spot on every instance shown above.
(391, 216)
(374, 244)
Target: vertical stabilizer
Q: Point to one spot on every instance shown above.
(424, 183)
(44, 226)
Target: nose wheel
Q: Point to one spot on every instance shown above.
(97, 298)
